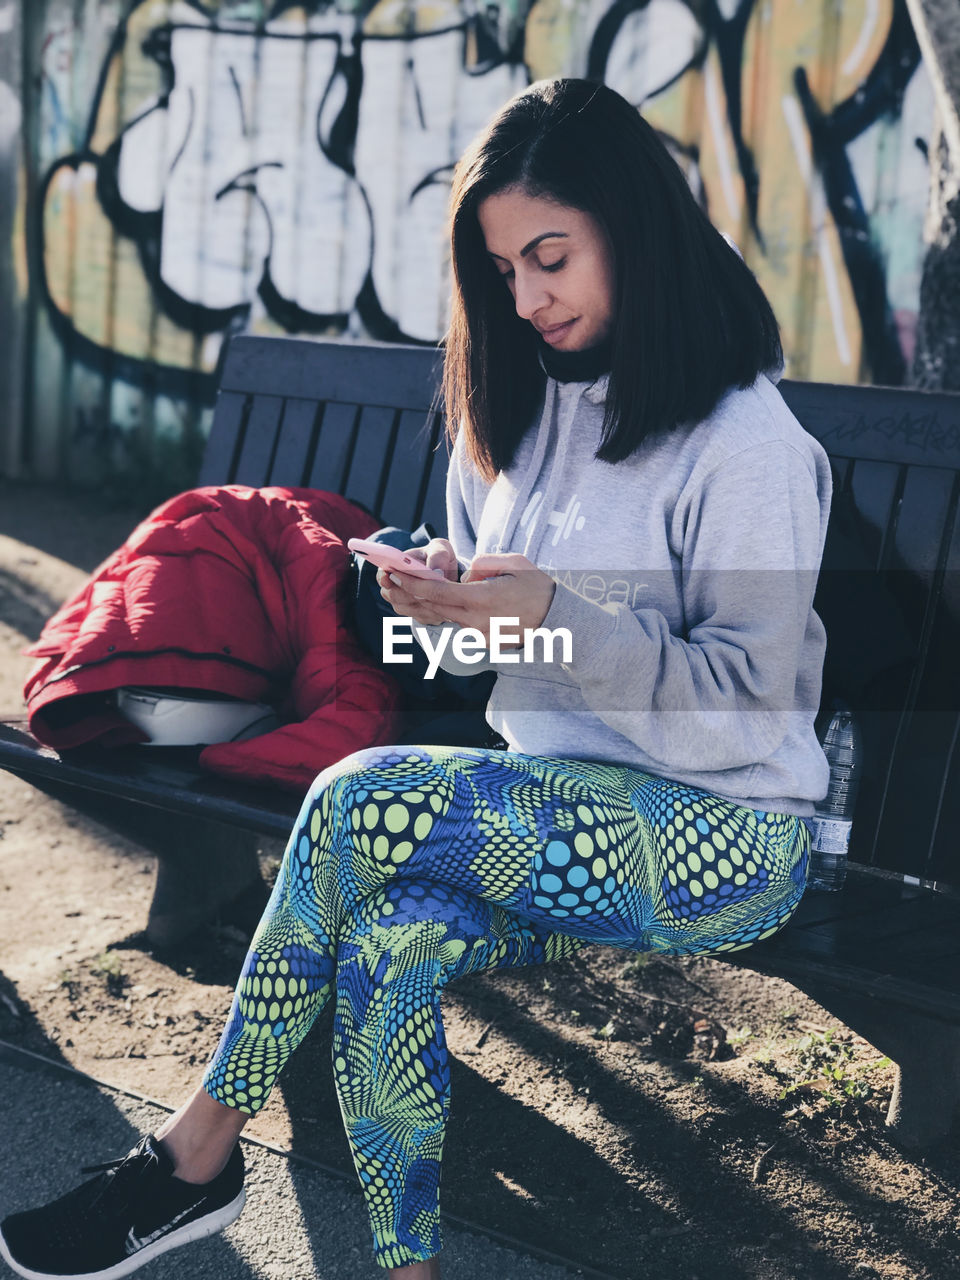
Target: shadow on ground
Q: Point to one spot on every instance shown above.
(54, 1122)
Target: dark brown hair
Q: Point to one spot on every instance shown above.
(690, 319)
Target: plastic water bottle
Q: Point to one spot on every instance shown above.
(833, 818)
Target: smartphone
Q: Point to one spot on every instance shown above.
(387, 557)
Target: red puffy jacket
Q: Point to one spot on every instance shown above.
(236, 590)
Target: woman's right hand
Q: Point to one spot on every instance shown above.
(437, 554)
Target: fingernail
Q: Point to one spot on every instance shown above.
(395, 579)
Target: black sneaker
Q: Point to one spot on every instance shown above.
(116, 1223)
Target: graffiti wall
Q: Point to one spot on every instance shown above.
(190, 169)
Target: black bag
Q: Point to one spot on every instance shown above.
(448, 710)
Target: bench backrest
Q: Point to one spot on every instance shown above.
(363, 420)
(348, 418)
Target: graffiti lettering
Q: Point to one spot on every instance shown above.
(925, 432)
(289, 170)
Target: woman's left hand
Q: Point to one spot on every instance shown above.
(494, 586)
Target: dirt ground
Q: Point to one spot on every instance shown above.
(682, 1119)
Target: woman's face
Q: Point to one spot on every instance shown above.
(557, 264)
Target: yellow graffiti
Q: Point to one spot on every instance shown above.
(20, 268)
(801, 268)
(555, 37)
(408, 18)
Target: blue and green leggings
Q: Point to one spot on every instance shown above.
(411, 866)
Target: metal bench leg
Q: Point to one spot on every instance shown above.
(926, 1095)
(205, 870)
(926, 1051)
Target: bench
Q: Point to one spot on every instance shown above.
(884, 955)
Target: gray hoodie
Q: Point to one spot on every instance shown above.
(685, 575)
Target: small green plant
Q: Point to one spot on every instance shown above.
(763, 1060)
(826, 1067)
(68, 980)
(108, 967)
(637, 964)
(738, 1038)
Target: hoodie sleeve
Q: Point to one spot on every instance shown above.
(719, 695)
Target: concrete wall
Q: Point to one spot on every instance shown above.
(174, 171)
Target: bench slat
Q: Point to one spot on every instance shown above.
(875, 490)
(877, 926)
(434, 505)
(259, 442)
(226, 435)
(391, 376)
(372, 447)
(893, 964)
(296, 443)
(945, 974)
(928, 495)
(797, 959)
(928, 917)
(168, 779)
(945, 667)
(939, 700)
(398, 505)
(901, 954)
(887, 424)
(334, 445)
(909, 808)
(873, 896)
(920, 778)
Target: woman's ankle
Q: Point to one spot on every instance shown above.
(200, 1137)
(429, 1270)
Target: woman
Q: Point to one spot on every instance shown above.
(623, 468)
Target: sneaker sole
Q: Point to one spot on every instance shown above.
(208, 1225)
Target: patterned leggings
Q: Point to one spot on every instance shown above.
(412, 866)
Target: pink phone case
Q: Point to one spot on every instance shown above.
(387, 557)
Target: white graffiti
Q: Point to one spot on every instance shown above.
(10, 116)
(652, 47)
(871, 16)
(233, 162)
(417, 114)
(893, 176)
(233, 159)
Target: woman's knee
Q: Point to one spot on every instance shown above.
(347, 767)
(360, 768)
(334, 788)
